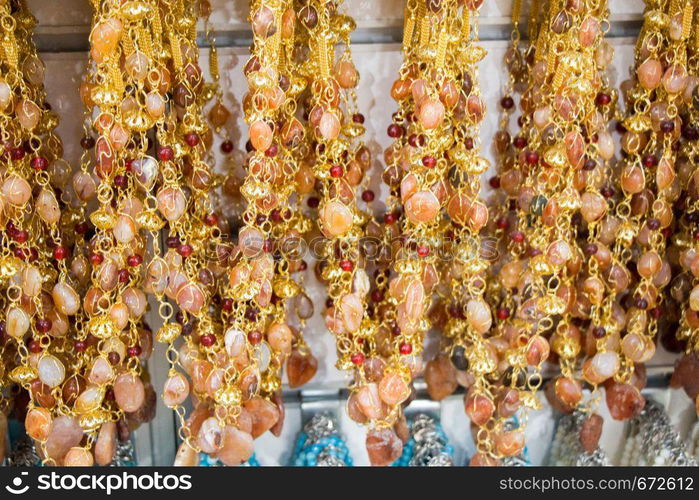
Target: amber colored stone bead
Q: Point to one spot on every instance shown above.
(440, 376)
(300, 367)
(590, 432)
(383, 446)
(264, 415)
(623, 400)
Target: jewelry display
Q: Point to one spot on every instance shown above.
(210, 229)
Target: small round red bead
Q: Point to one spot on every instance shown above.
(227, 147)
(166, 153)
(207, 340)
(96, 258)
(255, 337)
(134, 351)
(503, 313)
(429, 161)
(134, 260)
(123, 275)
(336, 171)
(211, 219)
(60, 252)
(191, 138)
(405, 348)
(357, 358)
(185, 250)
(517, 236)
(346, 265)
(43, 325)
(39, 163)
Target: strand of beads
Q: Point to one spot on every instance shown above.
(383, 444)
(651, 132)
(112, 331)
(194, 235)
(683, 289)
(340, 162)
(39, 298)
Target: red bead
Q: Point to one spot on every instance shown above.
(21, 236)
(346, 265)
(405, 348)
(336, 171)
(358, 118)
(87, 142)
(468, 143)
(268, 246)
(185, 250)
(123, 275)
(43, 325)
(134, 351)
(532, 157)
(120, 181)
(429, 161)
(423, 251)
(389, 218)
(166, 153)
(34, 346)
(517, 236)
(191, 138)
(227, 147)
(211, 219)
(394, 131)
(81, 228)
(207, 340)
(520, 142)
(377, 295)
(649, 160)
(255, 337)
(96, 258)
(603, 99)
(80, 345)
(113, 358)
(272, 151)
(17, 153)
(503, 313)
(60, 252)
(368, 196)
(494, 182)
(128, 165)
(303, 266)
(507, 102)
(227, 304)
(313, 202)
(357, 358)
(134, 260)
(39, 163)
